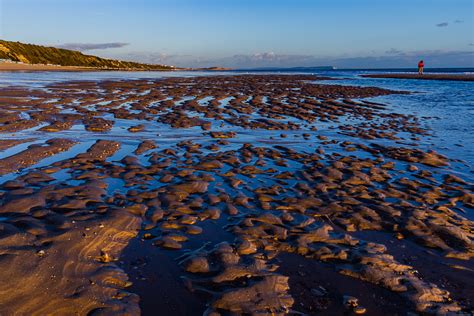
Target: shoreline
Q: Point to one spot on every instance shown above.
(12, 67)
(415, 76)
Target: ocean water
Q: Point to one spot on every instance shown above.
(446, 106)
(40, 78)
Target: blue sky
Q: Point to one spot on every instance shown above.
(251, 33)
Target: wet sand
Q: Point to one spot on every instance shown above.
(426, 76)
(251, 194)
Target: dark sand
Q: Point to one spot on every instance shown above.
(226, 195)
(426, 76)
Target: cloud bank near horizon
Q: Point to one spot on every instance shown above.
(392, 58)
(91, 46)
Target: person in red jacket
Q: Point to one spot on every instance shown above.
(421, 65)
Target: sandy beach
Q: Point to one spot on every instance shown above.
(32, 67)
(223, 194)
(237, 158)
(426, 76)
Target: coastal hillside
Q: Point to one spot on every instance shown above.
(36, 54)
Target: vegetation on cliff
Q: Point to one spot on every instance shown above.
(36, 54)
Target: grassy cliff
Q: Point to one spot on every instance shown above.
(36, 54)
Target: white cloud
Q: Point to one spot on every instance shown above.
(91, 46)
(394, 51)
